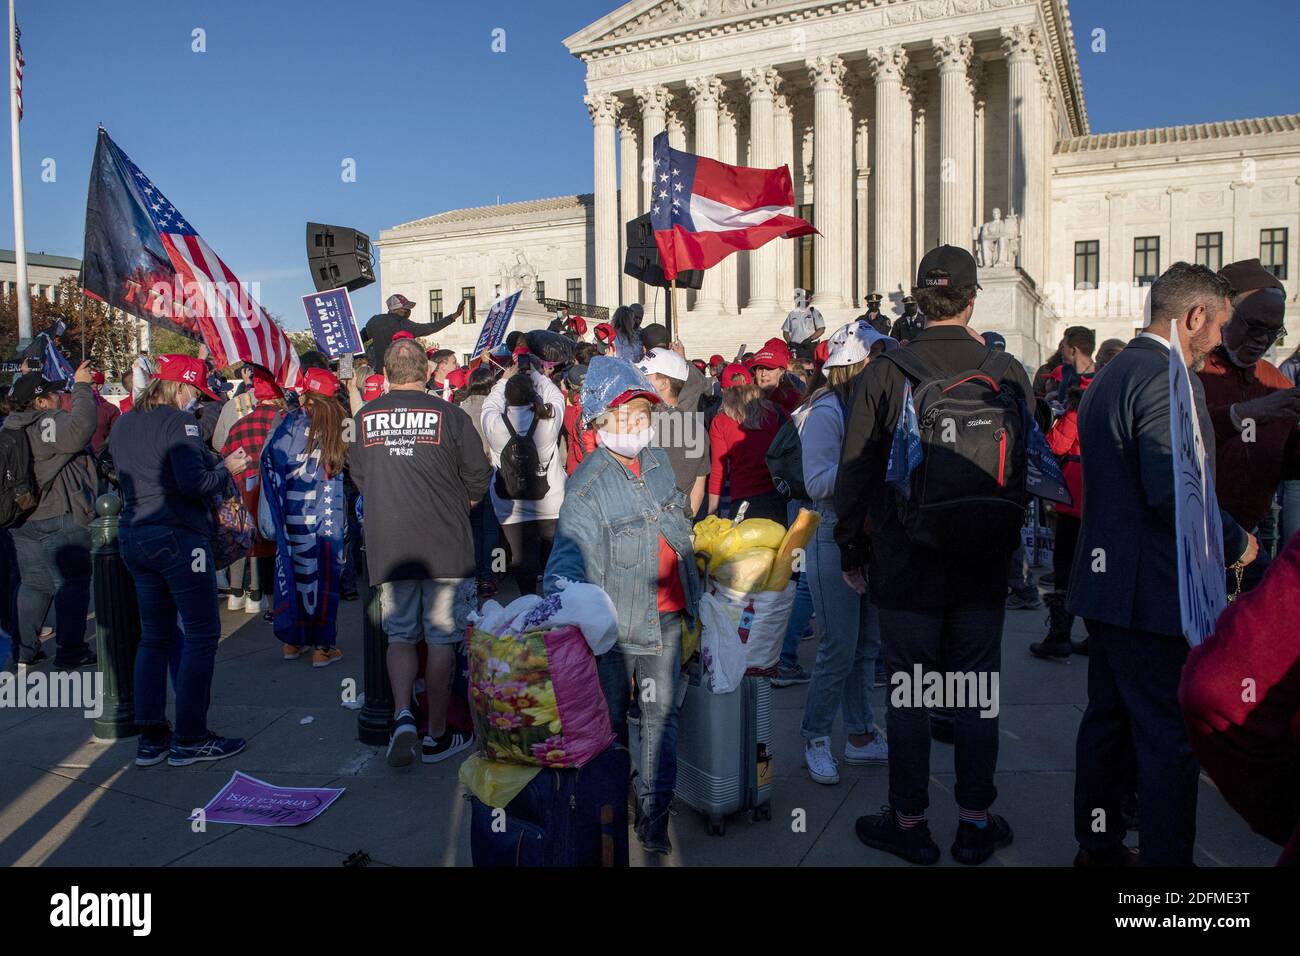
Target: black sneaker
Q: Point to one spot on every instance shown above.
(36, 660)
(401, 742)
(1080, 647)
(84, 658)
(213, 748)
(1119, 856)
(448, 745)
(148, 752)
(974, 844)
(1051, 650)
(882, 832)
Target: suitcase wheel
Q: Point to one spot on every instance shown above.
(717, 826)
(763, 811)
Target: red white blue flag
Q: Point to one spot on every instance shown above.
(143, 257)
(703, 210)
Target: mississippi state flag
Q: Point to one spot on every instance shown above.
(703, 210)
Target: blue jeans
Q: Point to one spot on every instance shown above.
(848, 642)
(656, 679)
(176, 585)
(802, 610)
(54, 562)
(487, 534)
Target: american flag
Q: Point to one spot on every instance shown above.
(19, 63)
(192, 291)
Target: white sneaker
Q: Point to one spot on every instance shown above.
(235, 602)
(821, 765)
(256, 607)
(875, 752)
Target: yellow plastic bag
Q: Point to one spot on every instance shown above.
(754, 533)
(690, 640)
(708, 531)
(746, 570)
(494, 782)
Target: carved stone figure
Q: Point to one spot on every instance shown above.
(988, 241)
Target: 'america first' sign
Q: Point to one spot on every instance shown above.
(332, 324)
(1202, 594)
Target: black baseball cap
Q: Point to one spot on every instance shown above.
(32, 386)
(945, 266)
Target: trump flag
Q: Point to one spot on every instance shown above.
(703, 210)
(143, 257)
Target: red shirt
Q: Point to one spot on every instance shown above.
(742, 453)
(578, 441)
(1247, 473)
(1063, 437)
(670, 596)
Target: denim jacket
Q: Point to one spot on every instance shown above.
(608, 535)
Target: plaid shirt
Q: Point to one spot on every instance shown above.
(250, 433)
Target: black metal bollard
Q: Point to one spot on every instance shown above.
(377, 710)
(117, 623)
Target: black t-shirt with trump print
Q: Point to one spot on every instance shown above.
(419, 464)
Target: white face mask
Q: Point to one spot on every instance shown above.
(627, 444)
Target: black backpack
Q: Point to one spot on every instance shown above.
(19, 493)
(521, 476)
(968, 493)
(785, 458)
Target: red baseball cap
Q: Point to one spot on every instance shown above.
(374, 387)
(185, 369)
(605, 332)
(699, 363)
(402, 335)
(821, 352)
(735, 374)
(319, 380)
(773, 354)
(635, 393)
(97, 377)
(265, 387)
(578, 324)
(716, 360)
(458, 377)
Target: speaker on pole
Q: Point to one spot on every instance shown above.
(338, 256)
(642, 260)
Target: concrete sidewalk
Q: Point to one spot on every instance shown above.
(66, 800)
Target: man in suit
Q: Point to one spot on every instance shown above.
(1124, 582)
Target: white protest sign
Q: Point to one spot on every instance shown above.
(1202, 595)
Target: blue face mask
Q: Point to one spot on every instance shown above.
(192, 404)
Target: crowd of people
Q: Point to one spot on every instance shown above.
(576, 457)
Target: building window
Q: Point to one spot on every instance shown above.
(1209, 250)
(541, 290)
(573, 290)
(1087, 262)
(465, 357)
(467, 293)
(804, 253)
(1146, 259)
(1272, 251)
(435, 304)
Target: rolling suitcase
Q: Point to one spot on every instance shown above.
(724, 749)
(564, 817)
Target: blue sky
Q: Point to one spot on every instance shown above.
(247, 139)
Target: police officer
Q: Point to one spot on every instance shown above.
(908, 325)
(873, 316)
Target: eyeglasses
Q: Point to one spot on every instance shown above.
(1261, 333)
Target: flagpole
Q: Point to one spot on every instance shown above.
(20, 236)
(672, 315)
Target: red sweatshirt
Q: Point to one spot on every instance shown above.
(1063, 439)
(743, 454)
(1240, 697)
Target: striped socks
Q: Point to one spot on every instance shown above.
(908, 821)
(977, 818)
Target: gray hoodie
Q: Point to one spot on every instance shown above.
(683, 433)
(58, 438)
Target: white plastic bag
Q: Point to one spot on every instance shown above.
(589, 609)
(721, 652)
(760, 619)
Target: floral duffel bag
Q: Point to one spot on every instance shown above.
(534, 688)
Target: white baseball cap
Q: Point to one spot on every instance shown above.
(851, 344)
(665, 362)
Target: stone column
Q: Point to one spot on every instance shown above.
(862, 196)
(827, 76)
(848, 94)
(604, 109)
(729, 283)
(1181, 244)
(654, 102)
(893, 135)
(956, 140)
(1117, 271)
(675, 123)
(1026, 177)
(917, 88)
(630, 193)
(762, 84)
(981, 122)
(1245, 245)
(706, 92)
(783, 126)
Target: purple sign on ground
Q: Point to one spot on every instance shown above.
(251, 802)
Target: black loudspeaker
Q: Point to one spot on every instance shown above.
(338, 256)
(642, 260)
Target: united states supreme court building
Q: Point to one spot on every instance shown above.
(905, 123)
